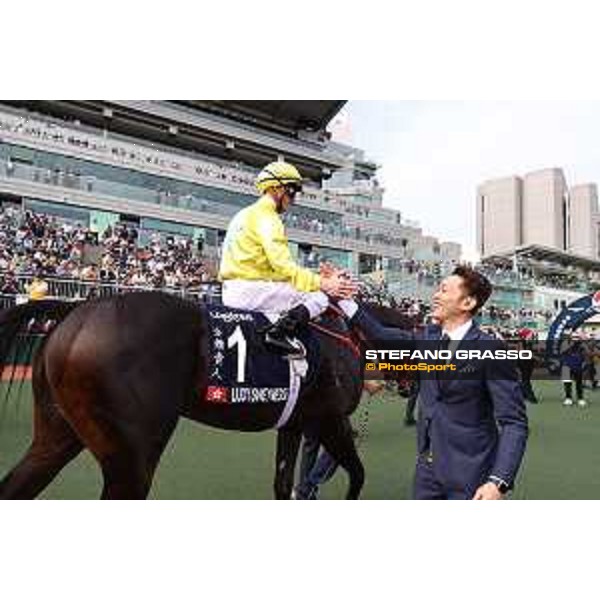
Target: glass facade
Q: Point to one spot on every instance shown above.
(63, 212)
(56, 169)
(101, 220)
(340, 258)
(53, 169)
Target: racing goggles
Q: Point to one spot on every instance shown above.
(292, 189)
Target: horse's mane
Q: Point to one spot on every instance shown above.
(391, 317)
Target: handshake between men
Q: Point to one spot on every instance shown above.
(337, 283)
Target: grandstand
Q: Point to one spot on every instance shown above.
(139, 194)
(167, 175)
(533, 283)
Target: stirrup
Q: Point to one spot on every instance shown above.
(292, 348)
(301, 350)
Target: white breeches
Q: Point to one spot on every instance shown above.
(271, 296)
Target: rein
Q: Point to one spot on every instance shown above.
(346, 340)
(351, 341)
(343, 339)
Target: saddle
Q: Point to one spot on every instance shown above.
(244, 372)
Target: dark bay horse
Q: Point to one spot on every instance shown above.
(115, 375)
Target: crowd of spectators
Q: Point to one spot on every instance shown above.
(415, 308)
(427, 269)
(503, 315)
(32, 243)
(539, 274)
(503, 322)
(334, 226)
(510, 323)
(165, 261)
(37, 244)
(307, 222)
(64, 176)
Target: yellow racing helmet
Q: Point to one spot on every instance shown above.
(278, 173)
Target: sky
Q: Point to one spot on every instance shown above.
(433, 154)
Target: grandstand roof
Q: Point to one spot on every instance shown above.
(283, 115)
(538, 252)
(249, 132)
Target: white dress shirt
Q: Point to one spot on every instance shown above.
(459, 333)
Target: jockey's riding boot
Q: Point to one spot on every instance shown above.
(280, 334)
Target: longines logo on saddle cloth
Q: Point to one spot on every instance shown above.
(243, 371)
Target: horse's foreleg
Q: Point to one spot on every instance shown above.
(336, 437)
(288, 443)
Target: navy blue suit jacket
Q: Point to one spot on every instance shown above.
(474, 427)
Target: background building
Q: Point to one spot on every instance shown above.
(499, 218)
(175, 168)
(539, 242)
(544, 209)
(583, 227)
(537, 209)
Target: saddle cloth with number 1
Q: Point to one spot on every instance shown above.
(248, 378)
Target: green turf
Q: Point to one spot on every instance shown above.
(206, 463)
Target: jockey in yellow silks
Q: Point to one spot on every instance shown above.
(257, 268)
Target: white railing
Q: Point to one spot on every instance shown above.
(77, 289)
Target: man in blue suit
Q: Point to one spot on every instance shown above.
(471, 431)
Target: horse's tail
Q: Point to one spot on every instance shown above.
(15, 322)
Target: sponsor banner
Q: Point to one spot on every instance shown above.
(567, 321)
(232, 317)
